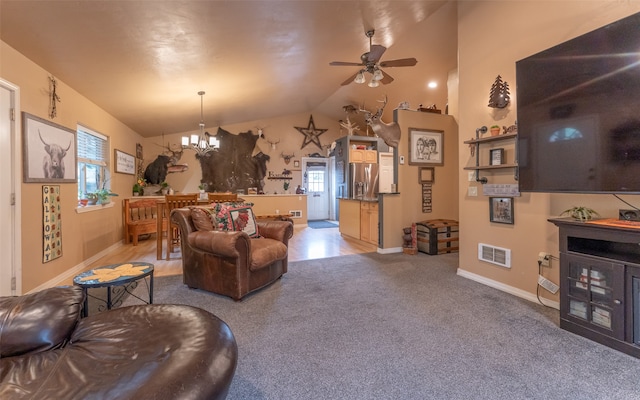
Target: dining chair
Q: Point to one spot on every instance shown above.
(222, 197)
(176, 201)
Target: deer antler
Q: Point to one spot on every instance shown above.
(287, 157)
(272, 143)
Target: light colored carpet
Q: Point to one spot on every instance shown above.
(398, 326)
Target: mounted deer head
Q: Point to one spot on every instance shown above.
(287, 157)
(273, 144)
(390, 133)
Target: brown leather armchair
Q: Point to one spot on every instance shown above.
(231, 263)
(153, 351)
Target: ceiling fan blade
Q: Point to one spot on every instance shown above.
(344, 63)
(403, 62)
(350, 79)
(376, 52)
(386, 78)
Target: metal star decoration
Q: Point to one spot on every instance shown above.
(311, 133)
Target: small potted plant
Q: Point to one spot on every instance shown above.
(286, 186)
(495, 130)
(581, 213)
(165, 187)
(138, 187)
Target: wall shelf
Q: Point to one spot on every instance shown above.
(491, 138)
(501, 166)
(280, 177)
(478, 142)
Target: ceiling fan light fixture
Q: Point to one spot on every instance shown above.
(360, 77)
(377, 75)
(373, 83)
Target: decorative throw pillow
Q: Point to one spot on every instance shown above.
(242, 219)
(220, 214)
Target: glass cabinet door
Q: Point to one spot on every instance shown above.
(594, 294)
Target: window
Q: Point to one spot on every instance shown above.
(93, 161)
(316, 180)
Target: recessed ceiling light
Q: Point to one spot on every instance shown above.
(432, 85)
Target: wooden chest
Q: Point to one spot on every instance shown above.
(437, 236)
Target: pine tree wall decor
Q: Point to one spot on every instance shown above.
(499, 94)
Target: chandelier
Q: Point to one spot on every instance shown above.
(201, 143)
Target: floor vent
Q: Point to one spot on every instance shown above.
(494, 255)
(295, 213)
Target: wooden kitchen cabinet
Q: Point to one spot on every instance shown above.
(369, 222)
(363, 156)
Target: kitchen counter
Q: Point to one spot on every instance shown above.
(274, 204)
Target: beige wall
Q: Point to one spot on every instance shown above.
(492, 37)
(402, 210)
(87, 234)
(83, 235)
(281, 128)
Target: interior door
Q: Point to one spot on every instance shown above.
(9, 237)
(317, 185)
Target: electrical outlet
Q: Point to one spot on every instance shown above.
(543, 259)
(401, 160)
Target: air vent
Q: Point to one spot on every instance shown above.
(494, 255)
(295, 213)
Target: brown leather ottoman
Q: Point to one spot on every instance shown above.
(155, 351)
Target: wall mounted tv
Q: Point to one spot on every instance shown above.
(579, 113)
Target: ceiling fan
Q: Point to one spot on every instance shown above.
(370, 62)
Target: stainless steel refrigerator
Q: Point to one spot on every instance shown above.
(363, 181)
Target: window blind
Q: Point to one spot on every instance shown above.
(92, 146)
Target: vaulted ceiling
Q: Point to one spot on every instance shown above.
(145, 61)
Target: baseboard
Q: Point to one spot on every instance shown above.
(70, 273)
(390, 250)
(506, 288)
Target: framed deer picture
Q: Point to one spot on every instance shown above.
(426, 147)
(49, 151)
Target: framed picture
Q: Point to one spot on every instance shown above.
(125, 163)
(496, 156)
(426, 175)
(49, 151)
(426, 147)
(296, 163)
(501, 210)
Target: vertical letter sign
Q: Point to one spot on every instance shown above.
(51, 223)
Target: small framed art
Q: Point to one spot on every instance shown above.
(426, 175)
(496, 156)
(426, 147)
(125, 163)
(501, 210)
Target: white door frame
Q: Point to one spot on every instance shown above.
(10, 203)
(328, 183)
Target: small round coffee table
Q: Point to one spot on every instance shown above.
(118, 279)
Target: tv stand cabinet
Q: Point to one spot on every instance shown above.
(600, 281)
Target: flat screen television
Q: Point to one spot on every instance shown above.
(578, 106)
